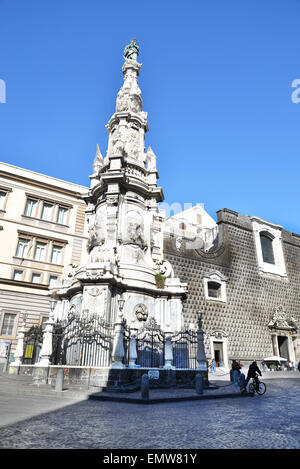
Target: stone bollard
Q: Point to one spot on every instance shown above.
(59, 380)
(145, 386)
(5, 367)
(242, 381)
(199, 384)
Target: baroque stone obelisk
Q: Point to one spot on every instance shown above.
(125, 246)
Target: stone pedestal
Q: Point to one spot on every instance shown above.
(118, 347)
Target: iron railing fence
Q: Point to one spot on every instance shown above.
(82, 341)
(88, 341)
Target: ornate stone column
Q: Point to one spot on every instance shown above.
(132, 349)
(118, 346)
(201, 357)
(46, 350)
(168, 352)
(20, 345)
(275, 345)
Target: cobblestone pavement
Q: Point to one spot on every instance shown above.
(260, 422)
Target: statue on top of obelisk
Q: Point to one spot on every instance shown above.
(131, 51)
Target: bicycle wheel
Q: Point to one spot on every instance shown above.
(262, 388)
(252, 388)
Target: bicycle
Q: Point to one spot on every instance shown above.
(261, 387)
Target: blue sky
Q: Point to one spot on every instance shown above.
(216, 82)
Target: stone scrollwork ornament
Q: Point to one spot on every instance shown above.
(141, 312)
(164, 267)
(280, 320)
(69, 273)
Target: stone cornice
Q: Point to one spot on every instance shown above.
(42, 185)
(21, 283)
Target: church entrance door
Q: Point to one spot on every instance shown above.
(283, 347)
(218, 353)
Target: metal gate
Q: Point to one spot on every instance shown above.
(150, 345)
(184, 346)
(33, 339)
(82, 341)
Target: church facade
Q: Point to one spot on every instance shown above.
(247, 286)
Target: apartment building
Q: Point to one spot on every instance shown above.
(42, 229)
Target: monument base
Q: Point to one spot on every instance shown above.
(107, 378)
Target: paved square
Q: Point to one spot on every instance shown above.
(269, 421)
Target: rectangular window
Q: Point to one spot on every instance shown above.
(22, 248)
(62, 215)
(18, 275)
(36, 278)
(47, 212)
(40, 251)
(2, 199)
(53, 280)
(8, 324)
(30, 209)
(214, 290)
(56, 256)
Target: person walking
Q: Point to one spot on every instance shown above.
(236, 366)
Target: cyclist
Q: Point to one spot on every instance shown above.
(252, 373)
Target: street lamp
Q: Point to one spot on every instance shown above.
(199, 316)
(201, 358)
(52, 304)
(121, 303)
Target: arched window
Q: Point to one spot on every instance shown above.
(266, 242)
(182, 226)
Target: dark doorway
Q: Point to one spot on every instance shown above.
(283, 347)
(218, 353)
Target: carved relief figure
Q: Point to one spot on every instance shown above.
(96, 238)
(135, 230)
(132, 146)
(117, 142)
(141, 312)
(122, 102)
(94, 300)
